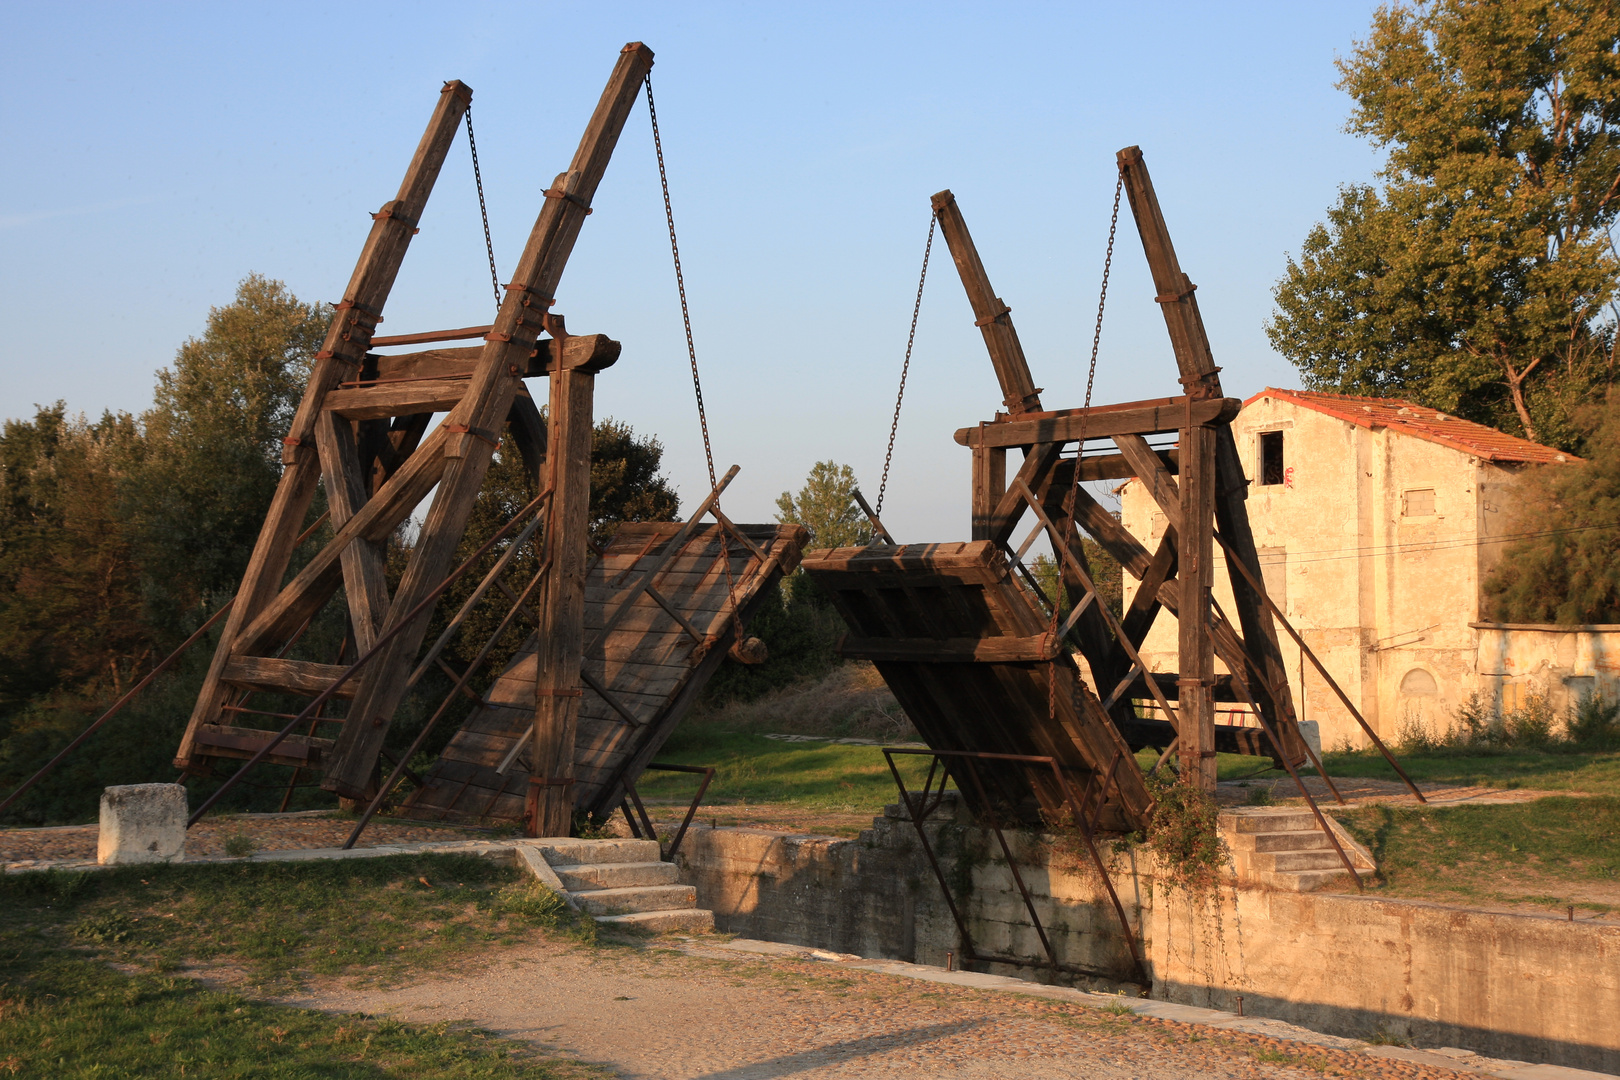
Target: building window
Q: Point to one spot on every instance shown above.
(1271, 458)
(1418, 502)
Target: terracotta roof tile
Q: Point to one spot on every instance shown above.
(1420, 422)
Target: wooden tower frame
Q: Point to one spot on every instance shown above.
(1200, 486)
(361, 429)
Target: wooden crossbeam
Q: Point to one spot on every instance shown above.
(1105, 421)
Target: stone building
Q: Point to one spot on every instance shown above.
(1377, 521)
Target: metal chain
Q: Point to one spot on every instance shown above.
(691, 349)
(911, 339)
(489, 245)
(1085, 415)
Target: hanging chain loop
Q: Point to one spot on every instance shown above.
(489, 245)
(691, 353)
(911, 339)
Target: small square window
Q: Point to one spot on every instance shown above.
(1272, 470)
(1419, 502)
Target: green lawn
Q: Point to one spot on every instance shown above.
(1593, 773)
(69, 1013)
(749, 768)
(1543, 851)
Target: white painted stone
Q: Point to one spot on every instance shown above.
(142, 823)
(1311, 732)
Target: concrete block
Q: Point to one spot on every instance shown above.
(142, 823)
(1311, 732)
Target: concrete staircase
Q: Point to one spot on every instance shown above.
(621, 883)
(1287, 850)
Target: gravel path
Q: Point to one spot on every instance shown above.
(711, 1013)
(268, 832)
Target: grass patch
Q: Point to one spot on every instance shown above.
(1596, 773)
(1479, 852)
(753, 769)
(67, 1011)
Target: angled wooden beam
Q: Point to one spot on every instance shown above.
(471, 428)
(341, 353)
(992, 317)
(1201, 377)
(365, 563)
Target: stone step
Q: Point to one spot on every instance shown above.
(579, 877)
(639, 898)
(1289, 841)
(1270, 861)
(565, 851)
(663, 922)
(1267, 821)
(1307, 880)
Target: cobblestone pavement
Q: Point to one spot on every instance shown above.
(268, 832)
(702, 1014)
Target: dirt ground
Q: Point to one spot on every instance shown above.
(703, 1011)
(267, 832)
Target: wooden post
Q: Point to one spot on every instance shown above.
(989, 485)
(1196, 662)
(561, 631)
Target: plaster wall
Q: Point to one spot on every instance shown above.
(1525, 987)
(1375, 545)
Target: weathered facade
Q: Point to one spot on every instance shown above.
(1376, 522)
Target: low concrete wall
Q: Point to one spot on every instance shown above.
(1516, 986)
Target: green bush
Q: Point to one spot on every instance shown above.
(1477, 727)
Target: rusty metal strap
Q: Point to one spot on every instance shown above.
(328, 354)
(553, 193)
(993, 316)
(1175, 298)
(463, 429)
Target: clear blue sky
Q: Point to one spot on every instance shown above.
(157, 153)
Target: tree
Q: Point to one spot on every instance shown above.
(826, 506)
(1567, 569)
(213, 442)
(70, 602)
(1474, 278)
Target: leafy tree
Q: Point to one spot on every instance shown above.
(213, 442)
(1569, 571)
(1474, 278)
(70, 605)
(826, 506)
(625, 481)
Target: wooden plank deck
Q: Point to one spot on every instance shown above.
(978, 700)
(650, 667)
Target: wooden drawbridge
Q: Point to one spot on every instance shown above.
(657, 602)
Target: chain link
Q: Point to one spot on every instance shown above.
(489, 245)
(691, 351)
(911, 338)
(1080, 446)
